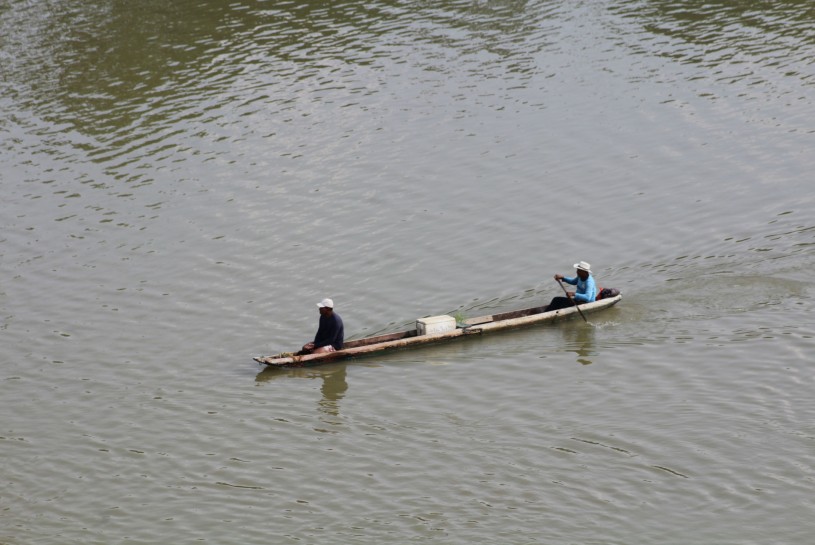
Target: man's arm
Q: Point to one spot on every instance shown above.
(572, 281)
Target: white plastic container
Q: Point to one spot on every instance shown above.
(434, 325)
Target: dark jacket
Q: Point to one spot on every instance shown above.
(330, 331)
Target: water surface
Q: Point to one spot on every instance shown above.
(182, 183)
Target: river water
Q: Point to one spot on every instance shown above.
(183, 181)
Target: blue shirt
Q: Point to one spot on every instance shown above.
(331, 332)
(586, 290)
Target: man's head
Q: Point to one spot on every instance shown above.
(583, 269)
(326, 306)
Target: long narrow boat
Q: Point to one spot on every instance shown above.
(414, 337)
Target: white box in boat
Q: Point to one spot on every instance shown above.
(435, 324)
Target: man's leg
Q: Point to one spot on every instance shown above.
(559, 303)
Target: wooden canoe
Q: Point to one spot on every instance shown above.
(410, 338)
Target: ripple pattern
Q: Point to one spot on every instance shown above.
(182, 181)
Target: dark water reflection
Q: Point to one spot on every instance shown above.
(581, 339)
(167, 81)
(333, 388)
(118, 65)
(748, 37)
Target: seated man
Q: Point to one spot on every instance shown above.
(330, 333)
(586, 289)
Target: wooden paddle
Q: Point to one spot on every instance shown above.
(572, 300)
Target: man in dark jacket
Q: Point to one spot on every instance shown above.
(330, 333)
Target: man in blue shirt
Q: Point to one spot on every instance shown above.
(586, 289)
(330, 334)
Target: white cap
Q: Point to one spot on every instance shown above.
(326, 303)
(583, 266)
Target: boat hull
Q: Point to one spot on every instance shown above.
(409, 339)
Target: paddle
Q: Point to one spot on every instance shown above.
(572, 300)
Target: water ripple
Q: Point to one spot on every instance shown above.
(733, 44)
(182, 181)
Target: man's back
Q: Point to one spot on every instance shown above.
(331, 331)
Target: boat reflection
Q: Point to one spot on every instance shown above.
(581, 340)
(333, 388)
